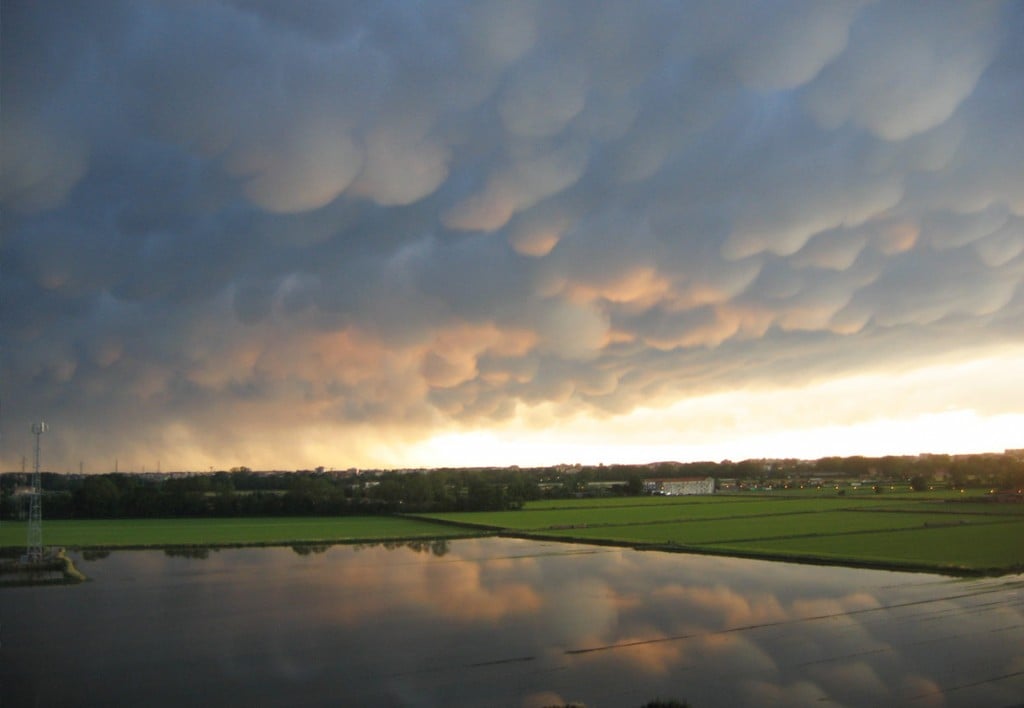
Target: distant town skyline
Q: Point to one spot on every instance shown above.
(392, 234)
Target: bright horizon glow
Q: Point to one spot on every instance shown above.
(878, 438)
(871, 415)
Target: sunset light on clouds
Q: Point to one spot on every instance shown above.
(397, 234)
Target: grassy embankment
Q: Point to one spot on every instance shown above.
(143, 533)
(924, 532)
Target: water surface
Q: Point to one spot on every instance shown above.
(505, 622)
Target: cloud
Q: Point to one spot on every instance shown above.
(401, 167)
(528, 177)
(315, 164)
(543, 97)
(418, 220)
(906, 69)
(571, 331)
(798, 693)
(40, 166)
(785, 45)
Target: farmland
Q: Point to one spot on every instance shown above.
(917, 532)
(927, 532)
(137, 533)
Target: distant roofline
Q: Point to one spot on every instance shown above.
(678, 479)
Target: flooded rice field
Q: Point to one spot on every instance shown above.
(505, 622)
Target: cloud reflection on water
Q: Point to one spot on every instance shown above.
(508, 622)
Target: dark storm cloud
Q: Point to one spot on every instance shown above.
(411, 213)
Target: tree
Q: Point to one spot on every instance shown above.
(634, 485)
(98, 497)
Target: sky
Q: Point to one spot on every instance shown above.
(403, 234)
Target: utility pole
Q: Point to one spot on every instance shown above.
(34, 545)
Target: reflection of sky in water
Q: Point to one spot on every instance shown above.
(507, 623)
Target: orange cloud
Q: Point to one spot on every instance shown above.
(736, 610)
(456, 590)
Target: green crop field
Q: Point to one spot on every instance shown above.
(539, 519)
(781, 526)
(929, 530)
(536, 516)
(213, 532)
(958, 507)
(985, 546)
(917, 532)
(606, 502)
(902, 491)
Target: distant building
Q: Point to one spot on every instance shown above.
(680, 486)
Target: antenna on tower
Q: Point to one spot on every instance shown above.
(34, 546)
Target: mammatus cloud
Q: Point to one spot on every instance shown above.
(906, 69)
(241, 232)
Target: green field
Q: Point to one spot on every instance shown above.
(927, 531)
(780, 526)
(612, 502)
(224, 532)
(542, 518)
(983, 547)
(537, 516)
(886, 492)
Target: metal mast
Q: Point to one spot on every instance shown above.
(34, 550)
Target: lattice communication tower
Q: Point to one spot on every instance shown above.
(34, 549)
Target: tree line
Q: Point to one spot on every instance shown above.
(243, 492)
